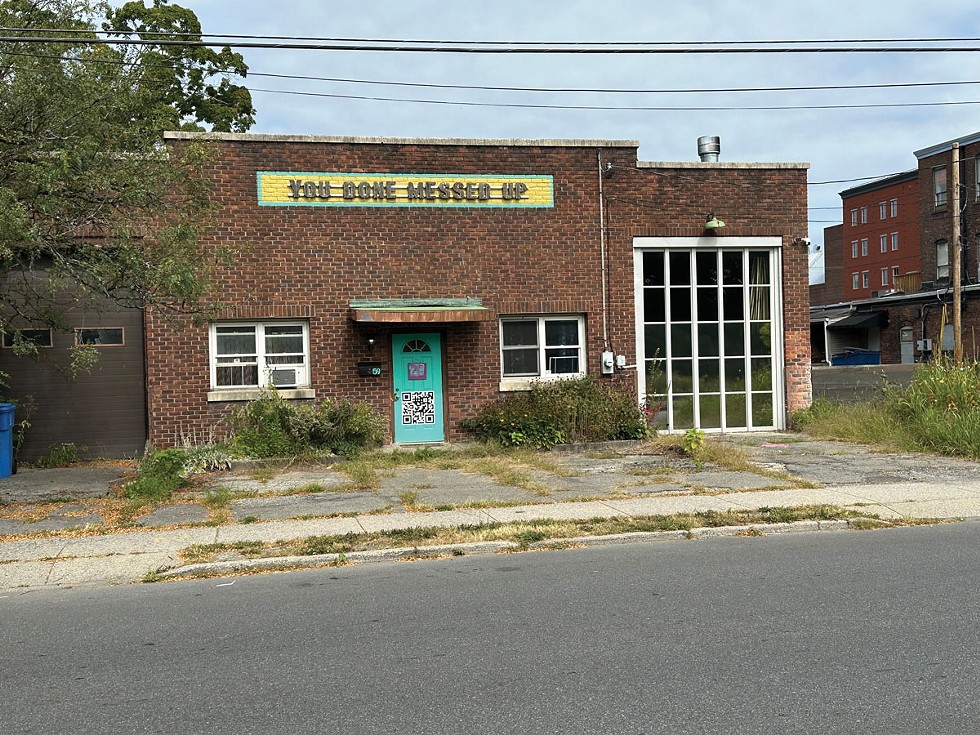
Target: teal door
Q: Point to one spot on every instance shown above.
(417, 369)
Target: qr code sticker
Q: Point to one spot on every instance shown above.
(418, 407)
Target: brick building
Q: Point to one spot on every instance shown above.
(428, 277)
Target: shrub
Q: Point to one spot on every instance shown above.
(60, 455)
(274, 427)
(160, 474)
(573, 410)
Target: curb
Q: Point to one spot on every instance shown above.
(485, 548)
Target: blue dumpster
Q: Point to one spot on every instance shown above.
(856, 356)
(6, 439)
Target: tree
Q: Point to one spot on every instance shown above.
(92, 204)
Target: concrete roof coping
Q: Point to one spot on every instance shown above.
(719, 164)
(515, 142)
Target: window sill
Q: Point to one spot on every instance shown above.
(252, 394)
(517, 384)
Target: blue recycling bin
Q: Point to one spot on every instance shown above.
(6, 439)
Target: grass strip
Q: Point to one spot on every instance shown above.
(528, 532)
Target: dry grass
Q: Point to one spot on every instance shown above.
(523, 532)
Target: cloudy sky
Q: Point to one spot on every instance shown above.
(838, 143)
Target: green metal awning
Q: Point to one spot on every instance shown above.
(427, 311)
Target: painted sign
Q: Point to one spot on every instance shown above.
(302, 189)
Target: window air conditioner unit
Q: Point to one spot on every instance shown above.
(283, 378)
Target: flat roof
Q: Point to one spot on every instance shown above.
(720, 164)
(948, 145)
(882, 182)
(516, 142)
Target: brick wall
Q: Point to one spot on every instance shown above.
(311, 261)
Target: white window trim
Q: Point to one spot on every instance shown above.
(248, 393)
(883, 210)
(865, 280)
(854, 281)
(894, 241)
(523, 382)
(884, 276)
(944, 269)
(883, 243)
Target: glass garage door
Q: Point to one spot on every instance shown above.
(710, 338)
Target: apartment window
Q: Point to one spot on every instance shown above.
(854, 281)
(942, 259)
(883, 210)
(864, 215)
(894, 273)
(37, 337)
(542, 347)
(939, 185)
(854, 249)
(894, 204)
(884, 276)
(864, 246)
(894, 241)
(884, 243)
(254, 355)
(100, 337)
(854, 217)
(865, 281)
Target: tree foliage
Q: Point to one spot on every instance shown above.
(92, 204)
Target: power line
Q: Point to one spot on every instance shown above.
(847, 181)
(627, 44)
(706, 90)
(473, 48)
(494, 88)
(709, 108)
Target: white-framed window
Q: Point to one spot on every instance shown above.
(37, 337)
(894, 206)
(259, 355)
(541, 347)
(854, 217)
(942, 259)
(894, 273)
(854, 249)
(864, 215)
(884, 276)
(864, 246)
(854, 281)
(883, 210)
(894, 241)
(865, 280)
(884, 243)
(939, 185)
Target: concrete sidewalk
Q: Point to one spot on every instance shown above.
(891, 486)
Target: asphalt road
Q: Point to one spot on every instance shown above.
(849, 632)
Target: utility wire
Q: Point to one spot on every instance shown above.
(710, 108)
(493, 88)
(400, 47)
(638, 44)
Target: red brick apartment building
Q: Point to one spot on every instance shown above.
(429, 277)
(907, 319)
(880, 234)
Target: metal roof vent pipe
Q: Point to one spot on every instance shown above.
(709, 148)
